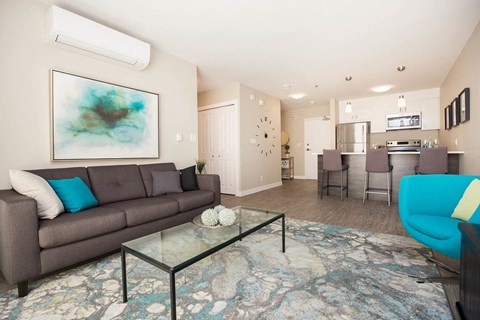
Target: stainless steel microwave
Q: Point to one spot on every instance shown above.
(404, 121)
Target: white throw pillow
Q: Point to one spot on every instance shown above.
(48, 204)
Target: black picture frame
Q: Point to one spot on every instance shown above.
(455, 113)
(448, 117)
(464, 105)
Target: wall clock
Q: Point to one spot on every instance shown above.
(265, 136)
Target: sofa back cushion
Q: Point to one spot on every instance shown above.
(147, 169)
(116, 183)
(63, 173)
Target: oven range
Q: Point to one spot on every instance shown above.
(404, 145)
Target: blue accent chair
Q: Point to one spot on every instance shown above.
(426, 203)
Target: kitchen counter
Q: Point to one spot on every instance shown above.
(403, 164)
(391, 152)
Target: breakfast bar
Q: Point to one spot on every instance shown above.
(403, 164)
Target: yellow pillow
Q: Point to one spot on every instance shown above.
(469, 202)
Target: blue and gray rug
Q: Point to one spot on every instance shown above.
(328, 272)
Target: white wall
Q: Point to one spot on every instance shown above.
(464, 73)
(25, 63)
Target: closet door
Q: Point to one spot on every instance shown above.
(217, 136)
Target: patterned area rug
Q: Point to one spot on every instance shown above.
(327, 272)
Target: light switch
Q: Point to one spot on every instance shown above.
(179, 137)
(193, 137)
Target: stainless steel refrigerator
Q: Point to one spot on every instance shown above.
(353, 137)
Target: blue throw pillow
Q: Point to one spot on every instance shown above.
(74, 193)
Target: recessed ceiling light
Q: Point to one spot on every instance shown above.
(383, 88)
(297, 96)
(349, 78)
(286, 86)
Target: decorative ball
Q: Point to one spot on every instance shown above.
(226, 217)
(219, 208)
(210, 217)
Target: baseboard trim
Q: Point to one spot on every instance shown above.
(258, 189)
(299, 177)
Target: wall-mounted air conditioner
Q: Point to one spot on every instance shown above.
(69, 29)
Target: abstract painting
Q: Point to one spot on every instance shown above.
(92, 119)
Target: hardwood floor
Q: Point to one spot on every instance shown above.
(299, 199)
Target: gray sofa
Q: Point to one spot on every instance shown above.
(30, 248)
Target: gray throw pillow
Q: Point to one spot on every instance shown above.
(166, 182)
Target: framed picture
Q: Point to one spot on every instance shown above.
(93, 119)
(448, 117)
(455, 113)
(464, 104)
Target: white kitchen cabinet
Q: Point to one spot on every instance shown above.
(413, 106)
(431, 114)
(377, 119)
(358, 114)
(375, 109)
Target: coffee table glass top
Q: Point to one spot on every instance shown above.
(188, 243)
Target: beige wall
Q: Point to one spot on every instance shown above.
(26, 60)
(293, 124)
(226, 93)
(464, 73)
(256, 169)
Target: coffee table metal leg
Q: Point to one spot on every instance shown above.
(283, 233)
(173, 302)
(124, 277)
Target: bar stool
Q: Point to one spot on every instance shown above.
(432, 160)
(332, 162)
(377, 162)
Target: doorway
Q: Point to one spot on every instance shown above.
(318, 136)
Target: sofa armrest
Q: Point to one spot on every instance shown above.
(210, 182)
(19, 248)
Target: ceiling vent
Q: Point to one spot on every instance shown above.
(73, 31)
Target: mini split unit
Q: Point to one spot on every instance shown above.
(73, 31)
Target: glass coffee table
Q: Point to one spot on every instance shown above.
(174, 249)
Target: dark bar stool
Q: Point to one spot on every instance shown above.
(377, 162)
(332, 162)
(432, 160)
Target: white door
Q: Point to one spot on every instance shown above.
(318, 136)
(217, 128)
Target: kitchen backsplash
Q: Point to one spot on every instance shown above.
(381, 138)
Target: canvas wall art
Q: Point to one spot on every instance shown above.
(464, 101)
(92, 119)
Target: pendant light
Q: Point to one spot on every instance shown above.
(402, 104)
(348, 106)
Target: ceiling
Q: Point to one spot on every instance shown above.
(310, 44)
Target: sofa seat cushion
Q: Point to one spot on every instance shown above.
(437, 227)
(116, 183)
(144, 210)
(68, 228)
(192, 199)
